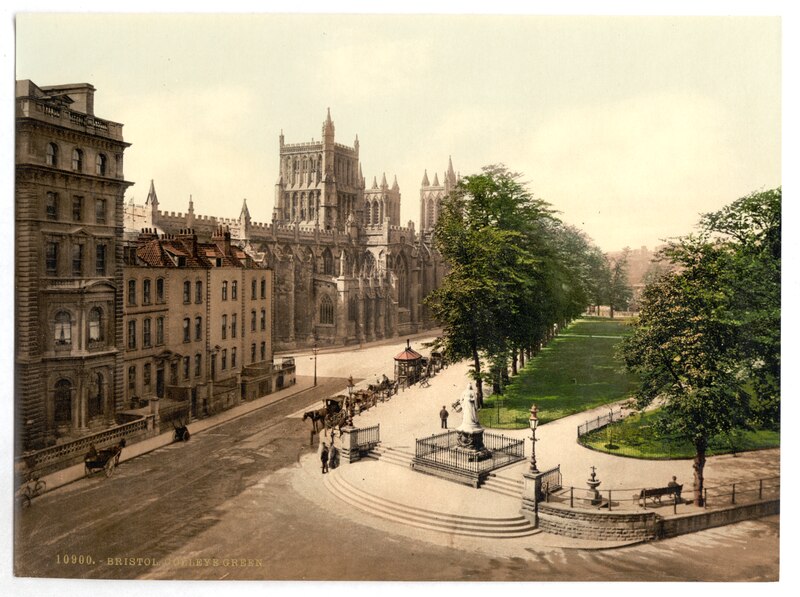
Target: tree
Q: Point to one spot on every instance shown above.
(707, 339)
(619, 289)
(488, 231)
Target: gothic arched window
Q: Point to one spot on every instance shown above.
(327, 262)
(326, 310)
(376, 213)
(402, 282)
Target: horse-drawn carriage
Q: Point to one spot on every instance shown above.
(331, 415)
(103, 460)
(385, 388)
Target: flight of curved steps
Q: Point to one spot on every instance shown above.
(471, 526)
(495, 483)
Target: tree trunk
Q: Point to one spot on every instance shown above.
(521, 358)
(698, 465)
(476, 361)
(514, 361)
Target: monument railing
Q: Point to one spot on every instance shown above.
(442, 449)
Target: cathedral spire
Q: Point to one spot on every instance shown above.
(384, 184)
(152, 198)
(435, 180)
(395, 186)
(245, 213)
(327, 127)
(451, 175)
(425, 182)
(374, 182)
(191, 205)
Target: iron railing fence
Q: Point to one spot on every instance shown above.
(601, 421)
(442, 449)
(551, 480)
(366, 437)
(738, 492)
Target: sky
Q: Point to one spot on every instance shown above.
(629, 126)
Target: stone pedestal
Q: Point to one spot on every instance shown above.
(531, 495)
(349, 448)
(470, 443)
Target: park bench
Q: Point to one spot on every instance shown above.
(656, 493)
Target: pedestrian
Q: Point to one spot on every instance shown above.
(443, 414)
(674, 483)
(333, 460)
(324, 457)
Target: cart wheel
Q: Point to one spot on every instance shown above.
(109, 467)
(24, 501)
(40, 488)
(186, 436)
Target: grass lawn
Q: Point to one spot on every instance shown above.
(636, 437)
(577, 371)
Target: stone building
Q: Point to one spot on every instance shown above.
(198, 321)
(345, 270)
(69, 219)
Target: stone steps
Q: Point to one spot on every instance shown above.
(454, 524)
(397, 456)
(504, 486)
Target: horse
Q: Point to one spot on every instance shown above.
(316, 416)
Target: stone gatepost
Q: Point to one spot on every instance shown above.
(531, 495)
(154, 410)
(349, 448)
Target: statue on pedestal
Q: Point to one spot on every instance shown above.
(470, 432)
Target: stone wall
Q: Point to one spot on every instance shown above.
(603, 525)
(596, 524)
(708, 519)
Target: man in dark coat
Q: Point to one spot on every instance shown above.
(443, 414)
(324, 457)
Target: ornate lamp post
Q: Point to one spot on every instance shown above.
(534, 423)
(315, 350)
(350, 386)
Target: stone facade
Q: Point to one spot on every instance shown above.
(345, 270)
(69, 219)
(198, 322)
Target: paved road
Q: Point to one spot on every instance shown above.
(155, 503)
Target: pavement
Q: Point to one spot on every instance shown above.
(414, 413)
(77, 472)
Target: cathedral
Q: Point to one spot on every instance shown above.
(345, 270)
